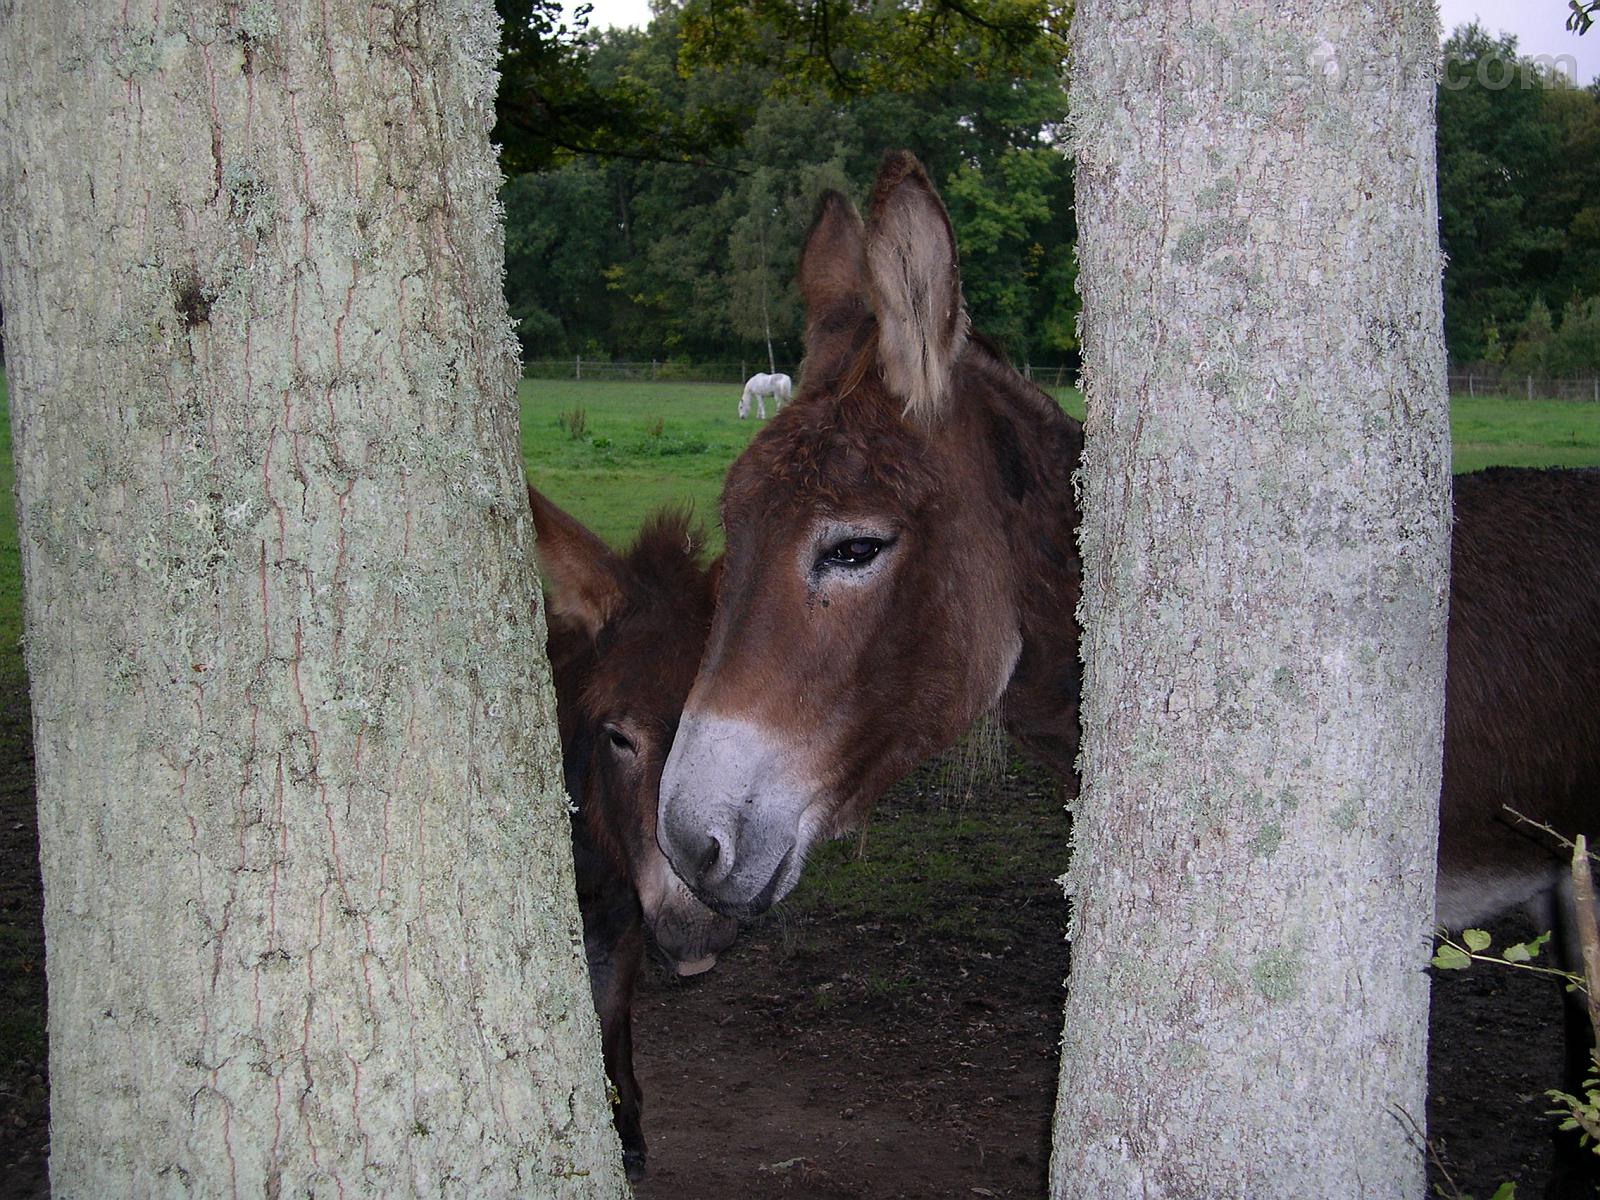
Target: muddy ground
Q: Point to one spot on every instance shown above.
(889, 1032)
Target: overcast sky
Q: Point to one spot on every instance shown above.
(1540, 26)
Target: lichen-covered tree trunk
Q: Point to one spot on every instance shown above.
(1265, 549)
(308, 896)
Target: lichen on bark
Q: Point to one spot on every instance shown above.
(1265, 549)
(309, 898)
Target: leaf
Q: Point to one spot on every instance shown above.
(1476, 939)
(1506, 1191)
(1451, 958)
(1521, 952)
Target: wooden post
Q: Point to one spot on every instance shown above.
(1588, 934)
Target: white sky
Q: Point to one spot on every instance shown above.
(1540, 25)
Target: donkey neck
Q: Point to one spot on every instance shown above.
(1035, 448)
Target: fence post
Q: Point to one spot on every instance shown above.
(577, 366)
(652, 370)
(1472, 385)
(1530, 387)
(1597, 389)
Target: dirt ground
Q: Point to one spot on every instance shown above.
(890, 1032)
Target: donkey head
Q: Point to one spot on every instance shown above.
(625, 636)
(867, 611)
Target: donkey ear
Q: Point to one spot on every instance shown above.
(916, 287)
(582, 574)
(831, 277)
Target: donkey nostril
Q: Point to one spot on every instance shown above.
(709, 859)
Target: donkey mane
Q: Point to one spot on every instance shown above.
(669, 552)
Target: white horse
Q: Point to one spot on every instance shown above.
(759, 387)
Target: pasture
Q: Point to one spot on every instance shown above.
(891, 1030)
(644, 444)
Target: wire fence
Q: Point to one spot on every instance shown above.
(655, 369)
(1473, 381)
(1488, 382)
(673, 370)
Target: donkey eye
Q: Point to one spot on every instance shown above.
(620, 741)
(852, 552)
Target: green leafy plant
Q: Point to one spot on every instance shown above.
(1581, 1112)
(1476, 945)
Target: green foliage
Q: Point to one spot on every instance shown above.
(1018, 265)
(1519, 149)
(697, 262)
(1544, 350)
(850, 48)
(1474, 945)
(1581, 1113)
(1522, 952)
(560, 95)
(718, 125)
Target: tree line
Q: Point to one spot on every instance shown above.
(679, 233)
(622, 254)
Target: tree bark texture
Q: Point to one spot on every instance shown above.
(308, 892)
(1265, 548)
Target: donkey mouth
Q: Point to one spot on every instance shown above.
(744, 910)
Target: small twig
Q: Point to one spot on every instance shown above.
(1565, 843)
(1419, 1136)
(1506, 962)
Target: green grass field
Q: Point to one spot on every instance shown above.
(1489, 431)
(648, 444)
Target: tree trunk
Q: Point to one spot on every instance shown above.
(1265, 553)
(766, 318)
(308, 892)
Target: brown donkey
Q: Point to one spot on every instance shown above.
(626, 632)
(902, 555)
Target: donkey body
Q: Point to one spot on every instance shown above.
(902, 555)
(625, 634)
(1522, 697)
